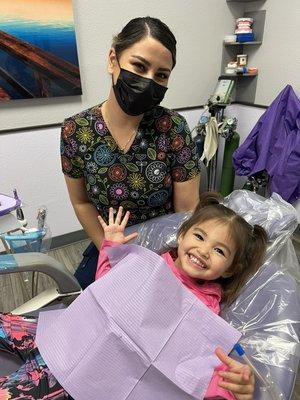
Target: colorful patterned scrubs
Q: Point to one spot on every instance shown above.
(140, 180)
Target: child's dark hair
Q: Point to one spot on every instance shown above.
(141, 27)
(250, 242)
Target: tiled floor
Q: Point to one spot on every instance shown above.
(15, 289)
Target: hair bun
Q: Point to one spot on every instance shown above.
(209, 198)
(260, 233)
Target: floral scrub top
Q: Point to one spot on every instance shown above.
(139, 180)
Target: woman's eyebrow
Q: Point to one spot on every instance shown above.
(146, 62)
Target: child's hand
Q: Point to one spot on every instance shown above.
(239, 379)
(114, 231)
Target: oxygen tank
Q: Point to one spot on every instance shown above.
(228, 174)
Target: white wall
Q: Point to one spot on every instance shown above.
(278, 58)
(199, 26)
(30, 162)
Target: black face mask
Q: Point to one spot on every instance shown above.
(136, 94)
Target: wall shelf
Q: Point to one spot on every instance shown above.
(243, 1)
(243, 44)
(238, 75)
(245, 89)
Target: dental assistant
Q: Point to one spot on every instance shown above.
(129, 151)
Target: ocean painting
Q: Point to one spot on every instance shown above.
(38, 52)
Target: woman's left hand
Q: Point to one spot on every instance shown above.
(239, 379)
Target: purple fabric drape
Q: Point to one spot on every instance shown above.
(274, 145)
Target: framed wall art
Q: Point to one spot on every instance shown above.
(38, 52)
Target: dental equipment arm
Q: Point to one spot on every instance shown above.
(67, 285)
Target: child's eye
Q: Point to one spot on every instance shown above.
(198, 236)
(220, 251)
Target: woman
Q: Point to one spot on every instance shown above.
(129, 151)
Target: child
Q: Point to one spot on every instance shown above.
(217, 252)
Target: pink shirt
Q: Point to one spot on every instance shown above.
(209, 293)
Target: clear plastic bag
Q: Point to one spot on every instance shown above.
(267, 311)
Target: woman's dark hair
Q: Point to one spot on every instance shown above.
(250, 242)
(138, 28)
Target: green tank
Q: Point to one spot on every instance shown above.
(228, 174)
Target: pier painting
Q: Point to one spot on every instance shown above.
(38, 53)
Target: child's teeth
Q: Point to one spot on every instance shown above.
(196, 261)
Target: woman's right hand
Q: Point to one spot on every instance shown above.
(114, 230)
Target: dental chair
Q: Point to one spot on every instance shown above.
(266, 312)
